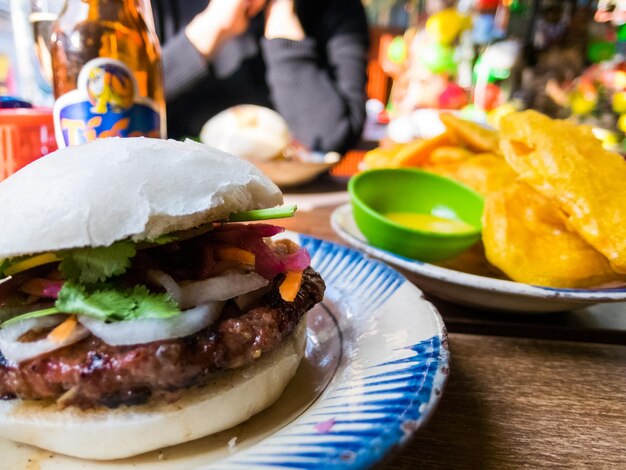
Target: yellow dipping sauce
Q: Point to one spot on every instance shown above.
(429, 223)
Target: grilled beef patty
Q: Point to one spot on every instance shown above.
(91, 373)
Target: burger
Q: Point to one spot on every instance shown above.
(144, 302)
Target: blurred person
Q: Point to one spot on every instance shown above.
(304, 58)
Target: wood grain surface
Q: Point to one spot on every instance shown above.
(519, 403)
(513, 400)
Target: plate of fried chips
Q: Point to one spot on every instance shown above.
(554, 225)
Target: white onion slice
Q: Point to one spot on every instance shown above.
(166, 281)
(16, 351)
(220, 288)
(246, 299)
(128, 332)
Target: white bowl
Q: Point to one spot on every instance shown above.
(293, 171)
(474, 290)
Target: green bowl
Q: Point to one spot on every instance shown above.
(377, 192)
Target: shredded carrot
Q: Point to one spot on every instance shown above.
(290, 286)
(61, 332)
(232, 253)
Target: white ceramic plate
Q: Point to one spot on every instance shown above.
(375, 366)
(473, 290)
(293, 172)
(261, 136)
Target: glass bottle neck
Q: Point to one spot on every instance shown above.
(102, 9)
(132, 4)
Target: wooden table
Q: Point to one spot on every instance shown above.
(524, 391)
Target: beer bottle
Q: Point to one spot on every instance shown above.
(107, 73)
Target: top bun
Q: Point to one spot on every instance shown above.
(112, 189)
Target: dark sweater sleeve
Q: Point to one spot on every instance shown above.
(322, 96)
(183, 66)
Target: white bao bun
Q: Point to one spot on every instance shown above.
(111, 189)
(248, 131)
(230, 399)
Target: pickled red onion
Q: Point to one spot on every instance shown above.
(42, 287)
(269, 264)
(298, 261)
(250, 237)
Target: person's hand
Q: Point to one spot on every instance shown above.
(282, 22)
(220, 21)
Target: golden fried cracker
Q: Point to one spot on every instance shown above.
(484, 173)
(382, 157)
(475, 136)
(447, 153)
(418, 152)
(527, 238)
(568, 165)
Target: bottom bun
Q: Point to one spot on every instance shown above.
(103, 434)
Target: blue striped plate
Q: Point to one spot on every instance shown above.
(391, 370)
(375, 366)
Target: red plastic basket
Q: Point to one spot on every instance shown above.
(25, 135)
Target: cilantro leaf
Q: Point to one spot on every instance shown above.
(110, 304)
(90, 265)
(104, 304)
(149, 305)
